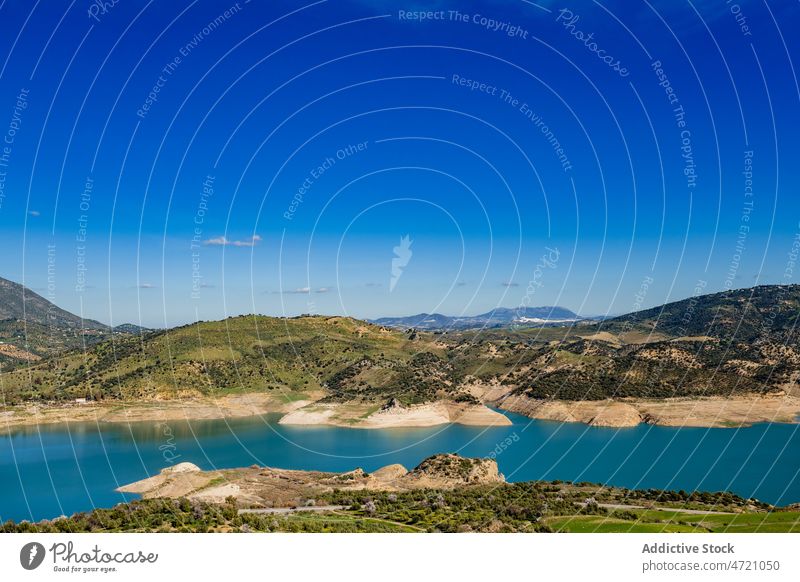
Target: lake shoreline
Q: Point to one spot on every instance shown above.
(712, 412)
(395, 416)
(306, 412)
(231, 406)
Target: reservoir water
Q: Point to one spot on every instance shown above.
(53, 470)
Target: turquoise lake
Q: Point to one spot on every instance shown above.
(55, 470)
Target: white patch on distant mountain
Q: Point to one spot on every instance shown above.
(543, 320)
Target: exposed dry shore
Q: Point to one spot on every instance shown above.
(696, 412)
(298, 412)
(233, 406)
(423, 415)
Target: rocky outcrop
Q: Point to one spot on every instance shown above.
(448, 471)
(176, 481)
(390, 474)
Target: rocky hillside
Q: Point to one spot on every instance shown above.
(742, 341)
(767, 313)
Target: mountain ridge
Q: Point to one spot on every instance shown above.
(33, 327)
(21, 303)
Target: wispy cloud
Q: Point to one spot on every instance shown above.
(302, 291)
(146, 286)
(509, 284)
(222, 241)
(34, 213)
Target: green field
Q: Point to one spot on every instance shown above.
(656, 521)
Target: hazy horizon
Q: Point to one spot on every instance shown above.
(698, 292)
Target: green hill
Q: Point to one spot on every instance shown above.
(344, 357)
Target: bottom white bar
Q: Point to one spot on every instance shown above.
(333, 557)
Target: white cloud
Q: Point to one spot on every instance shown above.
(225, 242)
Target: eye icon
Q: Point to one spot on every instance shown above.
(31, 555)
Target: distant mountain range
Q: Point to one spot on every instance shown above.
(500, 317)
(31, 327)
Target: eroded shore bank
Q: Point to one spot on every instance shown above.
(709, 412)
(689, 412)
(297, 412)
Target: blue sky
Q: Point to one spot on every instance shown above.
(270, 156)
